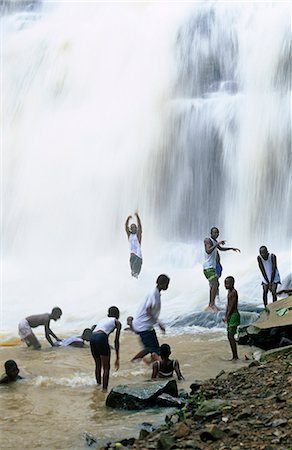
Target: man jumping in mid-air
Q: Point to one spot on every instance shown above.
(134, 233)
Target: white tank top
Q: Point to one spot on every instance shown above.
(267, 263)
(106, 325)
(135, 246)
(210, 259)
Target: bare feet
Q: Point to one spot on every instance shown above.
(212, 308)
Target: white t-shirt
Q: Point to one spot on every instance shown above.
(268, 266)
(106, 325)
(135, 246)
(142, 321)
(210, 259)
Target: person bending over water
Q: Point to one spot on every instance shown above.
(166, 367)
(134, 233)
(232, 317)
(271, 278)
(100, 348)
(211, 260)
(25, 328)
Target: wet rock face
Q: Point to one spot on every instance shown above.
(140, 396)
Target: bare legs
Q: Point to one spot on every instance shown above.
(233, 346)
(32, 341)
(102, 363)
(272, 288)
(213, 292)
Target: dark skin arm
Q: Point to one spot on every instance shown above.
(274, 266)
(117, 343)
(177, 371)
(154, 370)
(150, 313)
(49, 333)
(127, 225)
(210, 247)
(139, 228)
(262, 269)
(285, 291)
(231, 304)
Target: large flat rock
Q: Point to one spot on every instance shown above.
(141, 395)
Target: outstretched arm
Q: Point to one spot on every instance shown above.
(139, 228)
(127, 225)
(225, 249)
(49, 333)
(285, 291)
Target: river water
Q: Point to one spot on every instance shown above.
(58, 401)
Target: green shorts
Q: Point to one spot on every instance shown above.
(233, 322)
(211, 275)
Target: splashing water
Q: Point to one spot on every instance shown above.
(181, 111)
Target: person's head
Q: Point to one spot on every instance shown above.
(130, 320)
(165, 351)
(133, 228)
(113, 311)
(162, 282)
(264, 252)
(214, 233)
(229, 282)
(86, 335)
(56, 313)
(11, 369)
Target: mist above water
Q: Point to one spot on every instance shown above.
(181, 111)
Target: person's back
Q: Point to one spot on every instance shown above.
(38, 319)
(166, 367)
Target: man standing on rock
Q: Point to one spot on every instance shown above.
(232, 317)
(147, 316)
(210, 260)
(271, 278)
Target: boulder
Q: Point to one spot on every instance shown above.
(140, 396)
(273, 328)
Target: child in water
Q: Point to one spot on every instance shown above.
(232, 317)
(11, 372)
(166, 367)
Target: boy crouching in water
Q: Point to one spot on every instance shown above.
(232, 317)
(166, 367)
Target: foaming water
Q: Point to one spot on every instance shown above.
(59, 398)
(108, 108)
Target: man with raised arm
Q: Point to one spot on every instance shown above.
(209, 266)
(134, 233)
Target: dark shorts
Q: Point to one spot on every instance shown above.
(135, 264)
(99, 345)
(150, 341)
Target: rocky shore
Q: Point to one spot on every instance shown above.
(248, 408)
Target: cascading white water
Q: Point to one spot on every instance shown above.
(179, 110)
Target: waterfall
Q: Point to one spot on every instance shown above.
(181, 111)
